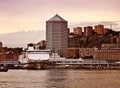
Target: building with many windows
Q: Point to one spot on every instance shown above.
(56, 35)
(107, 54)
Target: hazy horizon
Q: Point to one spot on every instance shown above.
(21, 39)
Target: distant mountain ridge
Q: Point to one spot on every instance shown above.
(22, 38)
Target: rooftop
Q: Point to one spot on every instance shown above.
(56, 18)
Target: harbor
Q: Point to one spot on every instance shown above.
(59, 43)
(38, 59)
(63, 64)
(90, 47)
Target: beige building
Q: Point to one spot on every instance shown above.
(107, 54)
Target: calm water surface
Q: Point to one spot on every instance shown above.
(60, 79)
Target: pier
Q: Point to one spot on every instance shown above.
(61, 64)
(83, 64)
(10, 63)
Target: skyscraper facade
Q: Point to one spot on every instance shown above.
(57, 35)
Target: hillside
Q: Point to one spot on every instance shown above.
(93, 41)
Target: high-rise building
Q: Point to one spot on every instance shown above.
(88, 31)
(57, 35)
(78, 31)
(100, 29)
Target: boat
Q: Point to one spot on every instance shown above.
(34, 58)
(3, 68)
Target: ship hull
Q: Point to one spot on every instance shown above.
(36, 64)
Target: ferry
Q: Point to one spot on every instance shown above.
(34, 58)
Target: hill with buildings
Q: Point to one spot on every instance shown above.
(92, 38)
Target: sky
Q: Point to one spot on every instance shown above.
(24, 21)
(25, 15)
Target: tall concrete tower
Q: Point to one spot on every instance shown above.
(56, 35)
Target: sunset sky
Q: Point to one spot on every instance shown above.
(19, 15)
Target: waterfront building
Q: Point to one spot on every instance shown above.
(8, 54)
(78, 31)
(110, 46)
(57, 35)
(3, 49)
(107, 54)
(74, 52)
(86, 52)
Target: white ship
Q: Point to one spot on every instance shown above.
(34, 58)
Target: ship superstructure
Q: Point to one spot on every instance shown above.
(34, 57)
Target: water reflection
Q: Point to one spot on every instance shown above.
(61, 78)
(56, 78)
(83, 79)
